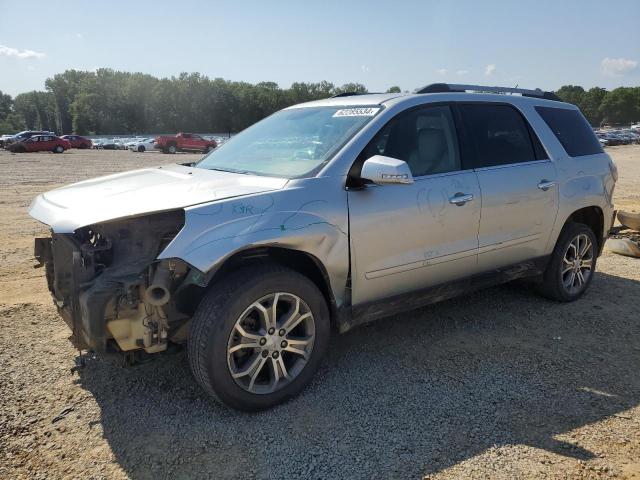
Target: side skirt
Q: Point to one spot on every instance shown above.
(352, 316)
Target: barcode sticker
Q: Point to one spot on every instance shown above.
(356, 112)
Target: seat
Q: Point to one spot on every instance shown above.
(431, 155)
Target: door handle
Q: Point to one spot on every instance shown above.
(546, 185)
(460, 199)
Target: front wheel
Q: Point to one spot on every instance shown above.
(258, 337)
(141, 149)
(172, 149)
(58, 149)
(572, 265)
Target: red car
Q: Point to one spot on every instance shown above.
(41, 143)
(77, 141)
(184, 142)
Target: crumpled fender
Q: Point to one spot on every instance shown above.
(308, 216)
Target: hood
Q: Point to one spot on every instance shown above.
(140, 192)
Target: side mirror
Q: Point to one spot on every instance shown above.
(383, 170)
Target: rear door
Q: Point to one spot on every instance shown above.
(197, 142)
(46, 143)
(518, 183)
(406, 238)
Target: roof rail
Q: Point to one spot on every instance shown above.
(346, 94)
(449, 87)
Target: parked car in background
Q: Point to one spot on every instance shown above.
(611, 138)
(18, 137)
(633, 136)
(249, 256)
(40, 143)
(143, 145)
(3, 138)
(77, 141)
(602, 139)
(184, 142)
(129, 142)
(108, 144)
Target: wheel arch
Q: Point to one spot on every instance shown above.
(593, 217)
(302, 262)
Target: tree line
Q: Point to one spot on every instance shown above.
(107, 102)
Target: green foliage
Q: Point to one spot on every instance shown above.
(113, 102)
(571, 94)
(590, 106)
(619, 106)
(9, 121)
(6, 104)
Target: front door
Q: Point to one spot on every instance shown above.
(33, 144)
(406, 238)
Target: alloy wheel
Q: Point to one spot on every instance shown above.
(577, 264)
(270, 343)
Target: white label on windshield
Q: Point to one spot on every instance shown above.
(356, 112)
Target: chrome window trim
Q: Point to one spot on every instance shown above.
(443, 174)
(511, 165)
(425, 177)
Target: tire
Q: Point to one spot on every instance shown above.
(58, 149)
(208, 149)
(214, 330)
(569, 286)
(141, 149)
(172, 149)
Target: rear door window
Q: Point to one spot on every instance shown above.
(572, 130)
(499, 134)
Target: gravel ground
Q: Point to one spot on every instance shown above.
(500, 384)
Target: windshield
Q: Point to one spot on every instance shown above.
(290, 143)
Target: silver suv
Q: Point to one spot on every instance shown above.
(322, 217)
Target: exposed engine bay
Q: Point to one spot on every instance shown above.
(111, 291)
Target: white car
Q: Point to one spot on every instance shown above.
(143, 145)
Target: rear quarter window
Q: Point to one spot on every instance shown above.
(572, 130)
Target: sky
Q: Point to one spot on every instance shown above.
(535, 44)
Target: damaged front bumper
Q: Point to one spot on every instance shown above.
(102, 282)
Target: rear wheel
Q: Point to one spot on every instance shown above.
(208, 148)
(141, 148)
(172, 149)
(572, 265)
(258, 337)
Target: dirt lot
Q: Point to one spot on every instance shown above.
(501, 384)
